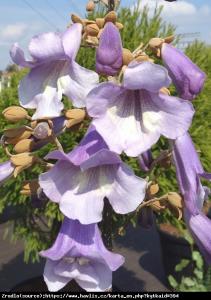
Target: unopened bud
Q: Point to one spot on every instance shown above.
(90, 6)
(42, 131)
(175, 199)
(156, 42)
(14, 135)
(88, 22)
(92, 40)
(15, 113)
(127, 56)
(76, 19)
(111, 17)
(142, 57)
(120, 26)
(100, 22)
(30, 187)
(22, 161)
(165, 91)
(169, 39)
(25, 145)
(92, 29)
(75, 113)
(152, 190)
(74, 116)
(157, 206)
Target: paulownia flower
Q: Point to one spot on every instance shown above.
(53, 72)
(6, 171)
(81, 179)
(189, 170)
(187, 77)
(79, 253)
(132, 117)
(145, 160)
(109, 52)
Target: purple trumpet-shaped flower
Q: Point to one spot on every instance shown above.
(81, 180)
(79, 253)
(200, 228)
(187, 77)
(53, 72)
(145, 160)
(189, 170)
(109, 52)
(6, 171)
(132, 117)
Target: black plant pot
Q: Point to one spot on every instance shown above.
(174, 248)
(37, 284)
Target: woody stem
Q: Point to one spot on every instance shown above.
(111, 5)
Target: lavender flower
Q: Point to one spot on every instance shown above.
(189, 170)
(145, 160)
(6, 171)
(132, 117)
(109, 52)
(53, 72)
(187, 77)
(200, 228)
(79, 253)
(81, 180)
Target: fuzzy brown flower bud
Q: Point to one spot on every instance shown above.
(76, 19)
(100, 22)
(24, 145)
(127, 56)
(92, 30)
(111, 17)
(15, 113)
(90, 6)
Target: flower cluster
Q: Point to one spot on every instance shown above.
(128, 113)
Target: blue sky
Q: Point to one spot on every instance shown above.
(21, 19)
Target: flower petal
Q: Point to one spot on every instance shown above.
(170, 116)
(100, 278)
(200, 227)
(102, 157)
(73, 235)
(147, 76)
(59, 179)
(71, 40)
(188, 169)
(145, 160)
(18, 57)
(38, 90)
(53, 281)
(76, 82)
(187, 77)
(47, 47)
(128, 191)
(85, 202)
(117, 112)
(6, 170)
(109, 52)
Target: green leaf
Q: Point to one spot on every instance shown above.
(198, 259)
(199, 274)
(182, 265)
(188, 281)
(172, 281)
